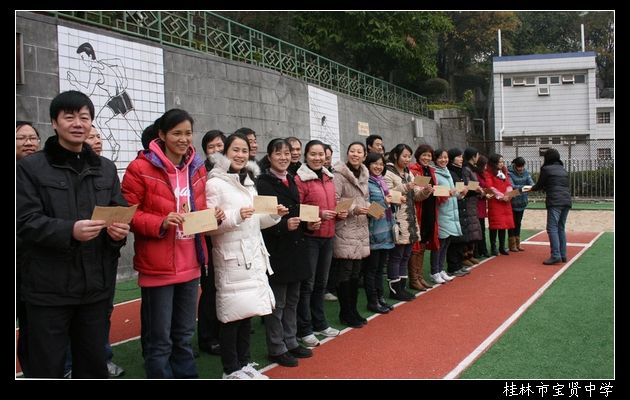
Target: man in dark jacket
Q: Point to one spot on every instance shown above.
(69, 271)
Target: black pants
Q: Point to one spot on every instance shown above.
(455, 255)
(234, 339)
(22, 344)
(207, 322)
(518, 218)
(373, 272)
(52, 329)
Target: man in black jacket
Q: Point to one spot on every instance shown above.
(69, 270)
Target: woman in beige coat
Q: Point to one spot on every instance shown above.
(399, 178)
(352, 240)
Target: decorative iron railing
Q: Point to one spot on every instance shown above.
(210, 33)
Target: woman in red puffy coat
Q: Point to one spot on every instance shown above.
(499, 206)
(167, 181)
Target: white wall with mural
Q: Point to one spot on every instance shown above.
(324, 118)
(124, 80)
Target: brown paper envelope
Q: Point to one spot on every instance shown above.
(395, 196)
(199, 221)
(513, 193)
(309, 213)
(441, 191)
(344, 205)
(459, 186)
(421, 180)
(266, 205)
(473, 185)
(376, 210)
(114, 214)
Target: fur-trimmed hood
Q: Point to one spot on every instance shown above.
(307, 174)
(222, 164)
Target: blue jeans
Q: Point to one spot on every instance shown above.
(168, 324)
(556, 221)
(310, 309)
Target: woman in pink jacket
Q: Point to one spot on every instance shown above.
(316, 188)
(166, 181)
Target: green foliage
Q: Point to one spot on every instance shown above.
(446, 106)
(409, 48)
(559, 32)
(600, 182)
(435, 89)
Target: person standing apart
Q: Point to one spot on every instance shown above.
(520, 177)
(167, 181)
(71, 265)
(554, 180)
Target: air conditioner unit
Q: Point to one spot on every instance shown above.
(543, 91)
(518, 82)
(418, 128)
(568, 78)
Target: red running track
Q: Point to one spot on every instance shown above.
(425, 338)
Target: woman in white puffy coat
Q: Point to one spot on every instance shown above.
(241, 260)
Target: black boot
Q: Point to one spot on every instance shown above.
(375, 306)
(354, 296)
(397, 291)
(493, 250)
(403, 289)
(381, 299)
(346, 316)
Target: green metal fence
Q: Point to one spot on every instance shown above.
(211, 33)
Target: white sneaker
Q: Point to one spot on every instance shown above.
(240, 374)
(437, 278)
(310, 340)
(330, 297)
(253, 372)
(329, 332)
(446, 276)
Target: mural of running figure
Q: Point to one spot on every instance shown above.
(109, 76)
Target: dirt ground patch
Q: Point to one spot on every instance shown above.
(578, 220)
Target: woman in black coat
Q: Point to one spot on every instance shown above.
(554, 180)
(287, 249)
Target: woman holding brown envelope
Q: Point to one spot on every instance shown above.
(287, 245)
(241, 260)
(352, 243)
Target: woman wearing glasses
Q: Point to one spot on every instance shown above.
(26, 139)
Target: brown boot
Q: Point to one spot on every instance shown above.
(415, 271)
(513, 243)
(518, 243)
(421, 263)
